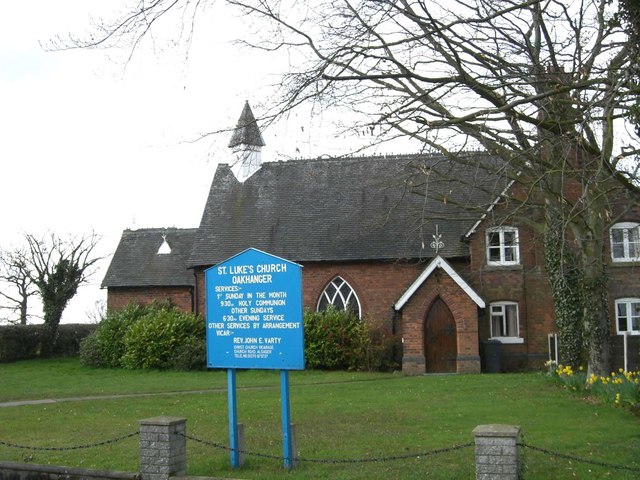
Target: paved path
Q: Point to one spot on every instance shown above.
(19, 403)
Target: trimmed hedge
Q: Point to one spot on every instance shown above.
(22, 342)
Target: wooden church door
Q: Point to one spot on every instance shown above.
(440, 341)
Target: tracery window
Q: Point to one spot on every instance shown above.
(341, 295)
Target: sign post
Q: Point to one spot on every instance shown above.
(254, 320)
(234, 441)
(286, 419)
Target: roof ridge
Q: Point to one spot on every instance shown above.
(159, 229)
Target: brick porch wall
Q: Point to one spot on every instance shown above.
(465, 314)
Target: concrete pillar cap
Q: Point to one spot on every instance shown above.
(162, 420)
(496, 430)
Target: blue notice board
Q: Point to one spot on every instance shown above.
(254, 313)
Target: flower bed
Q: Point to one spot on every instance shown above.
(620, 388)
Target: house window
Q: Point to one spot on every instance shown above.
(625, 242)
(504, 322)
(341, 295)
(628, 315)
(502, 246)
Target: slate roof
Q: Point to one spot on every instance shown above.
(347, 209)
(136, 262)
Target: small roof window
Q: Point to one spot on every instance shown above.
(164, 249)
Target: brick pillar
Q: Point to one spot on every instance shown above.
(163, 447)
(497, 452)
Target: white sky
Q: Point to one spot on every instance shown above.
(86, 144)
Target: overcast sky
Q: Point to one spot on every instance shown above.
(87, 144)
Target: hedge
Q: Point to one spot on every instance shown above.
(21, 342)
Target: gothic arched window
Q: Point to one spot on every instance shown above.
(341, 295)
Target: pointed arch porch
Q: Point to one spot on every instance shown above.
(440, 281)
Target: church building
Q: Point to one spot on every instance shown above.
(418, 244)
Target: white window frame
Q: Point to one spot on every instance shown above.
(501, 308)
(343, 291)
(627, 302)
(626, 228)
(503, 247)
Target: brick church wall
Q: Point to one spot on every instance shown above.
(378, 285)
(120, 297)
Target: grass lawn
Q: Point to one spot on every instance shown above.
(338, 415)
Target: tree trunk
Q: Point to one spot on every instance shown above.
(564, 280)
(595, 296)
(23, 311)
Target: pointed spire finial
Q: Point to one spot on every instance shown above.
(246, 131)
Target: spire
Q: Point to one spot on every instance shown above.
(246, 143)
(246, 131)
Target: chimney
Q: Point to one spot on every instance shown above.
(246, 144)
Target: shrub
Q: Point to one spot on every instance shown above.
(108, 346)
(155, 337)
(190, 354)
(384, 353)
(335, 339)
(90, 352)
(111, 332)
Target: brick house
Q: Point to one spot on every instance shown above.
(416, 243)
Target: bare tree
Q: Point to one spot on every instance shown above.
(630, 13)
(543, 85)
(15, 273)
(58, 267)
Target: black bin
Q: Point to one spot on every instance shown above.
(492, 354)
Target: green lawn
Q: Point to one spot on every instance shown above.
(338, 415)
